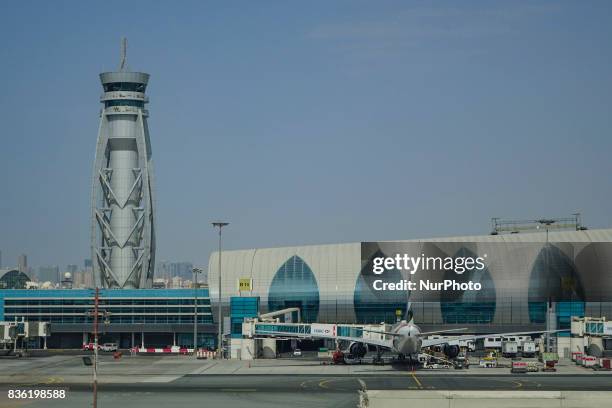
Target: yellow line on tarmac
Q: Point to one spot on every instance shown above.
(54, 380)
(416, 380)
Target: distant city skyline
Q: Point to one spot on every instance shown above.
(172, 273)
(310, 123)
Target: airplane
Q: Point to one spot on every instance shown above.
(407, 340)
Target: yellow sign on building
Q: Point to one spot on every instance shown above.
(245, 284)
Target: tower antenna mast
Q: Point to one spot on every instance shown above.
(123, 63)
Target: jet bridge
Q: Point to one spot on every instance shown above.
(14, 335)
(259, 338)
(253, 328)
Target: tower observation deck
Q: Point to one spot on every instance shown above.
(122, 201)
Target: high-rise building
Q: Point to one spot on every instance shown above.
(48, 273)
(22, 263)
(168, 270)
(123, 228)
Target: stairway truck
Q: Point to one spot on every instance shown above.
(509, 349)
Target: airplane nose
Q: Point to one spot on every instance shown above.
(410, 346)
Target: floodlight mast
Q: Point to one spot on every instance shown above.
(220, 225)
(196, 271)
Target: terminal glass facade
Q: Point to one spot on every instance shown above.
(469, 307)
(146, 306)
(240, 309)
(294, 285)
(373, 306)
(131, 317)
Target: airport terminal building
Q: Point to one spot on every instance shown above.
(525, 276)
(128, 317)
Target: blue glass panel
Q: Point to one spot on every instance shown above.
(469, 306)
(537, 312)
(377, 306)
(553, 276)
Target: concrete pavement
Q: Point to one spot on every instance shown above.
(145, 381)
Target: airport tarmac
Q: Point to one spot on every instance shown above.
(70, 369)
(149, 380)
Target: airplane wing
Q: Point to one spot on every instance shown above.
(441, 331)
(382, 332)
(455, 340)
(420, 334)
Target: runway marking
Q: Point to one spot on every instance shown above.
(200, 370)
(161, 379)
(303, 384)
(538, 385)
(416, 380)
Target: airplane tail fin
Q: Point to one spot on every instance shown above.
(409, 317)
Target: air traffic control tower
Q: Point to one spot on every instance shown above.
(122, 201)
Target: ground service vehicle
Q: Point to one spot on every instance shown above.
(109, 347)
(529, 349)
(509, 349)
(462, 362)
(89, 347)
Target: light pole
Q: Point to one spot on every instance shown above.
(220, 225)
(196, 271)
(547, 223)
(96, 313)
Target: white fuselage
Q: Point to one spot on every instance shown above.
(408, 342)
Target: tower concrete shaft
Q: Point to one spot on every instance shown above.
(123, 207)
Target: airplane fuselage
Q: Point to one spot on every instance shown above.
(408, 342)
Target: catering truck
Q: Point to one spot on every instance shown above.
(529, 349)
(509, 349)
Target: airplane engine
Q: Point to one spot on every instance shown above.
(451, 351)
(357, 350)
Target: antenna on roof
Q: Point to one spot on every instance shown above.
(123, 63)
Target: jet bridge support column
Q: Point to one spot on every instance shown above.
(248, 349)
(269, 348)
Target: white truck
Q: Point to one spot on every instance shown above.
(108, 347)
(509, 349)
(529, 349)
(465, 342)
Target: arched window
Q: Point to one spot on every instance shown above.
(553, 276)
(294, 285)
(470, 306)
(377, 306)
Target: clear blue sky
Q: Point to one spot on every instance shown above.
(310, 122)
